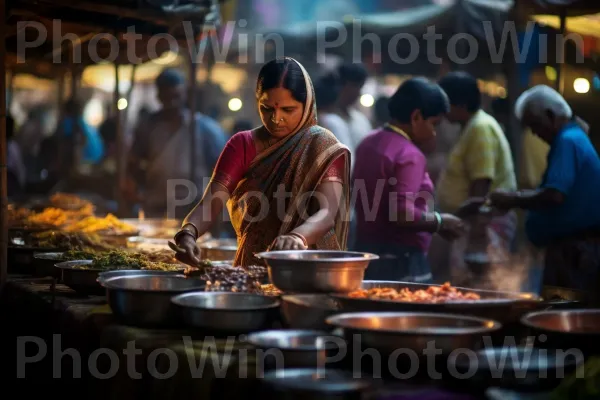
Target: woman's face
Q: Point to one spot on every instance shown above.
(279, 112)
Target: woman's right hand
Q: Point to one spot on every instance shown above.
(452, 227)
(191, 256)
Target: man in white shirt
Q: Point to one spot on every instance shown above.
(352, 79)
(327, 90)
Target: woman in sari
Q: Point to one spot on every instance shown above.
(286, 183)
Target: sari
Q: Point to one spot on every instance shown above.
(294, 166)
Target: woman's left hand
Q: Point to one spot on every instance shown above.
(288, 242)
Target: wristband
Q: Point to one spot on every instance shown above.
(438, 218)
(183, 232)
(299, 236)
(194, 230)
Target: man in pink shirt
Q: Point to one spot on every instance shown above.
(393, 192)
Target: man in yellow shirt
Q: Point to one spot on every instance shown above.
(480, 162)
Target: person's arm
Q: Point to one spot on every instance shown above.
(408, 173)
(329, 195)
(228, 171)
(558, 181)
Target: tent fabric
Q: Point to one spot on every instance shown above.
(416, 20)
(588, 25)
(555, 7)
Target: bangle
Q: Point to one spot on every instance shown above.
(438, 218)
(183, 232)
(195, 233)
(299, 236)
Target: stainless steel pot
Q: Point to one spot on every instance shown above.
(82, 280)
(296, 384)
(505, 307)
(308, 311)
(44, 264)
(218, 249)
(388, 331)
(143, 298)
(298, 348)
(227, 312)
(316, 271)
(577, 329)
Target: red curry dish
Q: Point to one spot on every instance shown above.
(433, 294)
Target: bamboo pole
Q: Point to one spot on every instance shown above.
(560, 71)
(3, 157)
(120, 143)
(192, 107)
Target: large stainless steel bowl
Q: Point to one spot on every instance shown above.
(298, 348)
(308, 311)
(310, 383)
(79, 276)
(316, 271)
(218, 249)
(389, 331)
(44, 263)
(143, 298)
(227, 312)
(566, 329)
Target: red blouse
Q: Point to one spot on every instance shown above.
(240, 151)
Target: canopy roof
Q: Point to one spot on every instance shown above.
(556, 7)
(42, 34)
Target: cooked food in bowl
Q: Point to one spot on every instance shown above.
(433, 294)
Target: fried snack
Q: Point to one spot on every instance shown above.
(57, 217)
(16, 216)
(64, 240)
(69, 202)
(433, 294)
(108, 224)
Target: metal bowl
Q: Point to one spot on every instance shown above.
(292, 384)
(82, 280)
(505, 307)
(218, 249)
(44, 263)
(298, 348)
(566, 329)
(308, 311)
(227, 312)
(523, 369)
(388, 331)
(143, 298)
(316, 271)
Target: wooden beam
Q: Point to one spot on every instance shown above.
(3, 156)
(94, 7)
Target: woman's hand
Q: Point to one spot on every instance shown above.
(191, 256)
(288, 242)
(452, 227)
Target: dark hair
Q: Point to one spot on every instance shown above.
(170, 77)
(500, 106)
(353, 73)
(73, 107)
(418, 94)
(382, 111)
(242, 125)
(282, 73)
(327, 90)
(10, 127)
(462, 90)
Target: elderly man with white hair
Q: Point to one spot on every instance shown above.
(564, 212)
